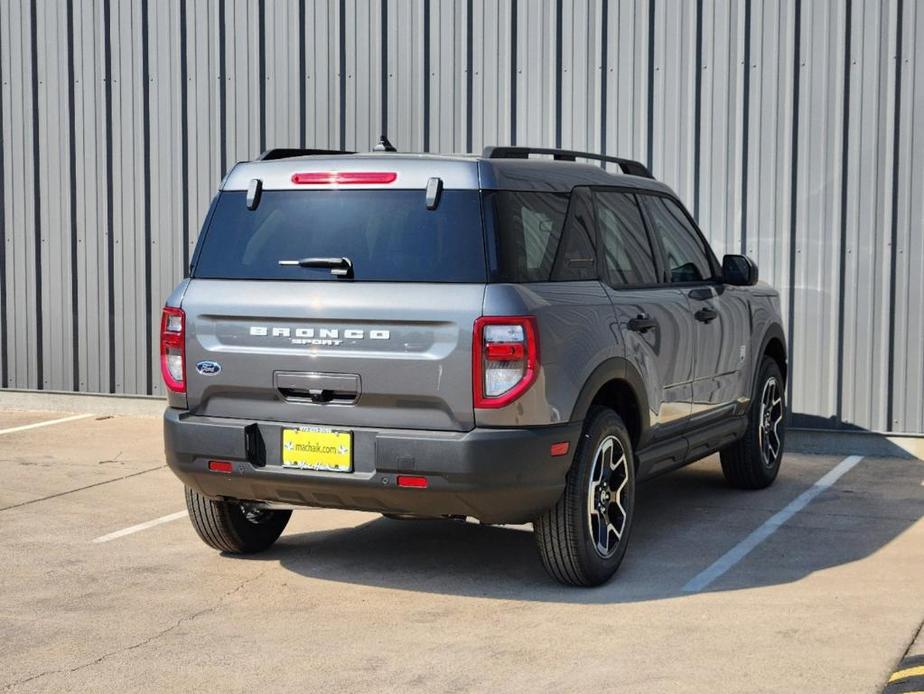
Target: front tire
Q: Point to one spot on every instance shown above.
(232, 526)
(753, 462)
(583, 538)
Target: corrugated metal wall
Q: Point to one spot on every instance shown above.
(787, 126)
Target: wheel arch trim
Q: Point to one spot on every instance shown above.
(618, 370)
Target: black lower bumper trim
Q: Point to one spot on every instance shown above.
(495, 475)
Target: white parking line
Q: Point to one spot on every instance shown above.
(45, 424)
(141, 526)
(770, 526)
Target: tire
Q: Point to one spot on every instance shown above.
(570, 536)
(753, 461)
(230, 527)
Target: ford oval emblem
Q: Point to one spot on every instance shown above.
(208, 368)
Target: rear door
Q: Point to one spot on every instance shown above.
(653, 319)
(721, 315)
(387, 345)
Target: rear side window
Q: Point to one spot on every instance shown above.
(540, 236)
(626, 249)
(388, 235)
(685, 251)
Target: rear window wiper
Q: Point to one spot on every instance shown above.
(340, 267)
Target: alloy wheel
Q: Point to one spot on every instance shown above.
(606, 501)
(771, 418)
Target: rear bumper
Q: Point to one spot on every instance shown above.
(495, 475)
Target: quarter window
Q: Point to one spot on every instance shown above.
(627, 252)
(686, 254)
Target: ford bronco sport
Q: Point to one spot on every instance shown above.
(512, 337)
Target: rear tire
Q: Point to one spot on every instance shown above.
(753, 461)
(583, 538)
(229, 526)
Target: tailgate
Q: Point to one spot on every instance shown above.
(359, 354)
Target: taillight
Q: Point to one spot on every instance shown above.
(505, 351)
(173, 349)
(343, 177)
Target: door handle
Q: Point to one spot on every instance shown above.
(642, 323)
(705, 315)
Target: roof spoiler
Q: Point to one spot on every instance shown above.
(286, 153)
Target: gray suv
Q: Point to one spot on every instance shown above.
(512, 337)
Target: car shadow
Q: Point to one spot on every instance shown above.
(684, 522)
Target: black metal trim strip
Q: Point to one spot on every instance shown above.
(426, 76)
(302, 77)
(110, 215)
(4, 356)
(72, 202)
(559, 18)
(184, 138)
(384, 67)
(745, 126)
(793, 188)
(698, 109)
(604, 37)
(261, 69)
(469, 76)
(222, 93)
(341, 38)
(146, 184)
(651, 80)
(37, 203)
(893, 253)
(513, 72)
(842, 261)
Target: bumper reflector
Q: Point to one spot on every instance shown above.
(410, 481)
(220, 466)
(560, 448)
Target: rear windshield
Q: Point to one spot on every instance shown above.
(388, 235)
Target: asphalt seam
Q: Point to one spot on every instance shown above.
(80, 489)
(144, 642)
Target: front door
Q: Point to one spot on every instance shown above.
(719, 313)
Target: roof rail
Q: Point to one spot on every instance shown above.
(628, 166)
(285, 153)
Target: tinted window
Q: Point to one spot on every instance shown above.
(626, 249)
(687, 259)
(538, 237)
(389, 235)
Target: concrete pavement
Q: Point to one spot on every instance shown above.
(350, 601)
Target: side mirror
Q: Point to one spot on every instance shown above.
(739, 270)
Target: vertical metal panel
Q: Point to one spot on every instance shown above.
(818, 222)
(627, 78)
(204, 78)
(282, 80)
(866, 300)
(405, 74)
(908, 413)
(447, 76)
(491, 112)
(54, 176)
(363, 74)
(127, 190)
(19, 174)
(674, 79)
(788, 126)
(321, 36)
(720, 128)
(536, 72)
(90, 193)
(166, 213)
(580, 76)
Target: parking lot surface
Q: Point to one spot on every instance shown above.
(105, 586)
